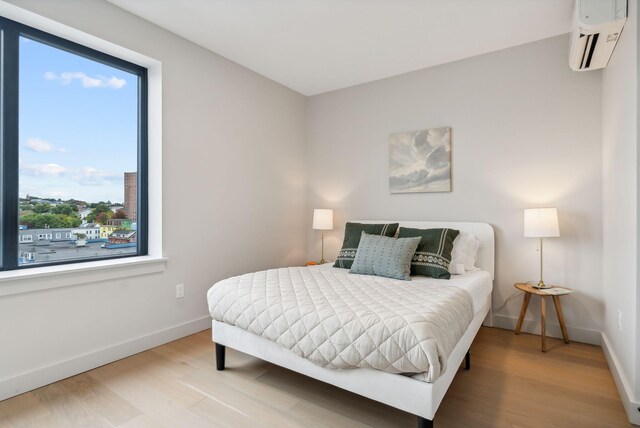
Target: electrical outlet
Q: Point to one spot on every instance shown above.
(179, 291)
(620, 320)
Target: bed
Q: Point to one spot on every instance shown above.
(419, 393)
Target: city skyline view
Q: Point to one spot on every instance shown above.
(81, 148)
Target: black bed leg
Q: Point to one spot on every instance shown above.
(467, 361)
(424, 422)
(220, 357)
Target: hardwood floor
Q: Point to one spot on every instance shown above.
(510, 384)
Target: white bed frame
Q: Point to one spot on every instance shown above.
(402, 392)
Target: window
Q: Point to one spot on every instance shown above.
(74, 140)
(26, 238)
(26, 256)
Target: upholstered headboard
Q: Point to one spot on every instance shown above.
(482, 231)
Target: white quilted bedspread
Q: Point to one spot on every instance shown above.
(340, 320)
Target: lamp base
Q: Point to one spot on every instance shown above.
(322, 261)
(541, 284)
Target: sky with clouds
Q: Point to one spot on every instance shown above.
(78, 125)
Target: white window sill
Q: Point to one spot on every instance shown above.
(48, 277)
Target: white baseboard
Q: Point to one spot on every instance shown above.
(33, 379)
(583, 335)
(624, 389)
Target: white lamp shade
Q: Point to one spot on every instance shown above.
(541, 223)
(322, 219)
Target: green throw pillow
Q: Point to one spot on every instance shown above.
(433, 256)
(352, 234)
(385, 256)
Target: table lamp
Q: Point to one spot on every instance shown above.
(322, 220)
(541, 223)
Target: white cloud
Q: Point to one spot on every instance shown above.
(51, 169)
(116, 83)
(42, 146)
(85, 80)
(38, 145)
(89, 176)
(85, 176)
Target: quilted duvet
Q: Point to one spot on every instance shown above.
(341, 320)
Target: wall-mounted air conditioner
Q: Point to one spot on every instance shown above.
(597, 25)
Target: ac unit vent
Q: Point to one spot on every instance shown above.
(589, 48)
(592, 18)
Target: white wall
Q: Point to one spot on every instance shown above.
(620, 202)
(234, 190)
(634, 5)
(526, 132)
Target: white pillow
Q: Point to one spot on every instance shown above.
(459, 254)
(457, 269)
(472, 253)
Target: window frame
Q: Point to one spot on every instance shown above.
(10, 33)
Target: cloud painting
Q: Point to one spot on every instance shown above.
(420, 161)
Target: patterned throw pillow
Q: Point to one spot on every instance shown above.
(352, 234)
(384, 256)
(433, 256)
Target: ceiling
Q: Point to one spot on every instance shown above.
(316, 46)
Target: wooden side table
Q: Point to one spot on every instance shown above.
(529, 290)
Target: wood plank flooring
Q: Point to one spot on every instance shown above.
(510, 384)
